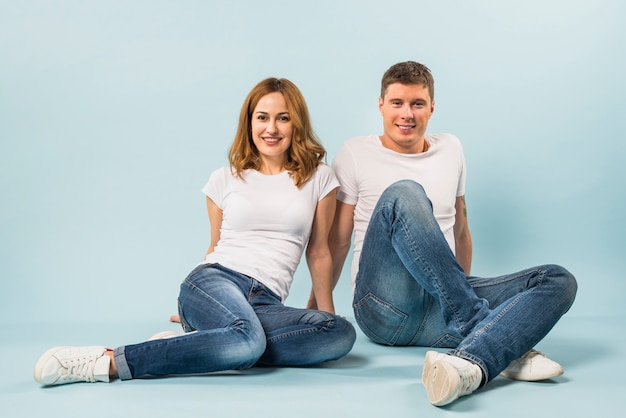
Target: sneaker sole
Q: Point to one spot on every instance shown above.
(532, 377)
(441, 388)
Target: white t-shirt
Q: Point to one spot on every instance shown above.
(266, 222)
(365, 168)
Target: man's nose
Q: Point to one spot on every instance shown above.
(408, 111)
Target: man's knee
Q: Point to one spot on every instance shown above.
(565, 282)
(403, 188)
(407, 196)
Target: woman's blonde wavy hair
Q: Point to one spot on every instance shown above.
(305, 153)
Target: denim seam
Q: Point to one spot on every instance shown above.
(329, 325)
(515, 277)
(424, 322)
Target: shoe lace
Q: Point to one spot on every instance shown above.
(468, 377)
(532, 353)
(80, 369)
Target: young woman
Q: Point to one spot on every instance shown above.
(274, 200)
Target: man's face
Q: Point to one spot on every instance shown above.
(406, 109)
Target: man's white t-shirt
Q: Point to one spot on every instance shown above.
(266, 222)
(365, 168)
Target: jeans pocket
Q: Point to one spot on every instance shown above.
(379, 320)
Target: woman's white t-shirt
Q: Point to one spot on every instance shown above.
(266, 222)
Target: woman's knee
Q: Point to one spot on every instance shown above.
(339, 335)
(345, 335)
(342, 331)
(251, 352)
(246, 351)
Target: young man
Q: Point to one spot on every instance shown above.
(402, 193)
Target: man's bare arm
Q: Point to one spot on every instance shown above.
(462, 237)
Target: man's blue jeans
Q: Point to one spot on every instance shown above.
(234, 322)
(410, 290)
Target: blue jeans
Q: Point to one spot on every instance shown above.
(410, 290)
(234, 322)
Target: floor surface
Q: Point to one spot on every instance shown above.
(372, 381)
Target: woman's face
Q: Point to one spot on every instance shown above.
(272, 128)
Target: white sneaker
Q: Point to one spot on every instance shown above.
(165, 334)
(447, 378)
(531, 367)
(61, 365)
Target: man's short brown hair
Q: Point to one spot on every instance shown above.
(409, 72)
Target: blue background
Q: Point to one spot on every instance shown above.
(113, 114)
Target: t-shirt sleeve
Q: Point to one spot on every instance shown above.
(345, 170)
(326, 180)
(462, 173)
(216, 186)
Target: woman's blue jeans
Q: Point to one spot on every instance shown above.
(410, 290)
(234, 322)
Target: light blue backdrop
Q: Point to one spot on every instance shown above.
(113, 114)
